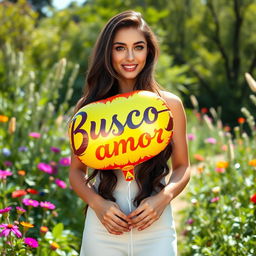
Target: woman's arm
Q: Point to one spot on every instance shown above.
(151, 208)
(108, 212)
(180, 157)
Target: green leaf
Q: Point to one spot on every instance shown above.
(57, 230)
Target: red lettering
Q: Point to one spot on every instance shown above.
(159, 136)
(121, 147)
(123, 144)
(141, 140)
(98, 153)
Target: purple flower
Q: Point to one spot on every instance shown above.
(30, 202)
(65, 161)
(31, 242)
(23, 149)
(7, 209)
(60, 183)
(6, 152)
(45, 168)
(8, 163)
(55, 150)
(20, 210)
(34, 135)
(215, 199)
(190, 221)
(4, 174)
(191, 136)
(210, 140)
(54, 167)
(47, 205)
(9, 228)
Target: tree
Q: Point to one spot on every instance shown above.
(37, 5)
(216, 39)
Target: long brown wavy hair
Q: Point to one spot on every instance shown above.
(102, 82)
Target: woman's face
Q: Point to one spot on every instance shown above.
(129, 53)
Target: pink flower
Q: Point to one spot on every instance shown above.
(20, 210)
(60, 183)
(220, 170)
(31, 242)
(34, 135)
(47, 205)
(190, 221)
(55, 150)
(9, 228)
(191, 136)
(45, 168)
(5, 210)
(210, 140)
(65, 161)
(54, 166)
(30, 202)
(4, 174)
(8, 163)
(224, 147)
(215, 199)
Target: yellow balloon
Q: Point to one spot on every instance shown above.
(121, 131)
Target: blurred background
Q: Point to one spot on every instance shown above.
(206, 46)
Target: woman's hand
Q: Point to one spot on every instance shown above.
(110, 215)
(149, 210)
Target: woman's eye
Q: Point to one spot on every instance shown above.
(119, 48)
(139, 47)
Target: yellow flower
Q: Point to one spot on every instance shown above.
(26, 224)
(44, 229)
(4, 119)
(252, 162)
(222, 164)
(54, 246)
(216, 189)
(12, 125)
(200, 169)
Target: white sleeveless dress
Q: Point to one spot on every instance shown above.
(158, 239)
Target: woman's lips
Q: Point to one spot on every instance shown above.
(129, 67)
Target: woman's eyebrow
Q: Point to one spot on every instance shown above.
(139, 42)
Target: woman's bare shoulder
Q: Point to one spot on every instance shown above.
(170, 98)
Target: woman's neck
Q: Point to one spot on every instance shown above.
(126, 86)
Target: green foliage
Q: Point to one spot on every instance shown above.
(33, 133)
(220, 218)
(215, 40)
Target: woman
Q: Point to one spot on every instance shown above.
(123, 60)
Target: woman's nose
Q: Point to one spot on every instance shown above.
(130, 55)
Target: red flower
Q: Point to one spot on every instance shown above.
(198, 157)
(227, 128)
(253, 198)
(18, 193)
(32, 191)
(204, 110)
(241, 120)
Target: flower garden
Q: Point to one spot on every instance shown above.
(221, 214)
(37, 204)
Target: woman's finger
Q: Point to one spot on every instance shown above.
(139, 218)
(143, 222)
(117, 227)
(137, 211)
(120, 222)
(147, 224)
(111, 230)
(121, 215)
